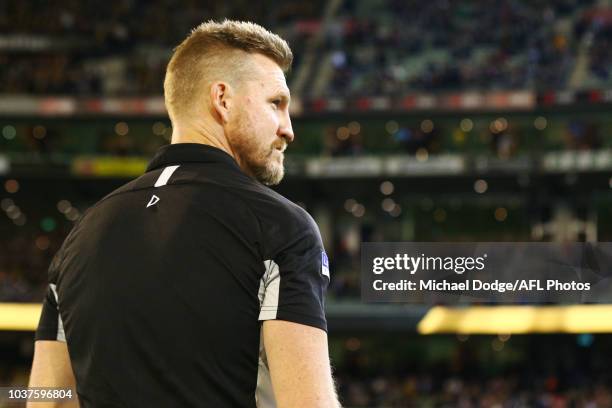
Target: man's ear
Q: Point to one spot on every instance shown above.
(221, 100)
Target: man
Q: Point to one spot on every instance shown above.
(195, 285)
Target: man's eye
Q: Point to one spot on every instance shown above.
(276, 102)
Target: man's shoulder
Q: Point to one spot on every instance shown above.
(284, 222)
(277, 207)
(239, 195)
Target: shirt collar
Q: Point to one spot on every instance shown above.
(179, 153)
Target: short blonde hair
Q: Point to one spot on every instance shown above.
(215, 51)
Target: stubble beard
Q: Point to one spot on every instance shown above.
(257, 160)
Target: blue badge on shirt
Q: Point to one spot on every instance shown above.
(324, 264)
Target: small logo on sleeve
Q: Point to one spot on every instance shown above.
(324, 264)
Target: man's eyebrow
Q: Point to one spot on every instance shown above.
(283, 95)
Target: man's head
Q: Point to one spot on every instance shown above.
(225, 86)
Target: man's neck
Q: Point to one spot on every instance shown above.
(192, 136)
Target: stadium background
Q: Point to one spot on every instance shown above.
(428, 121)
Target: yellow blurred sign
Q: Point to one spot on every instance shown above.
(109, 166)
(19, 316)
(517, 319)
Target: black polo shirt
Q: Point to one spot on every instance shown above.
(161, 287)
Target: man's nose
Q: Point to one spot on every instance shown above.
(285, 130)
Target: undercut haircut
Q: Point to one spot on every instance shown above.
(217, 51)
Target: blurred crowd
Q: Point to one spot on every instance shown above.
(24, 260)
(494, 136)
(398, 370)
(365, 48)
(596, 24)
(75, 47)
(394, 47)
(412, 391)
(498, 138)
